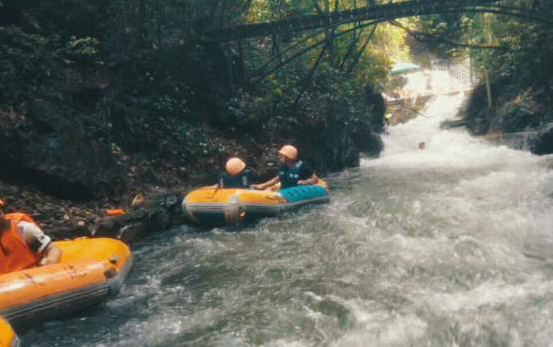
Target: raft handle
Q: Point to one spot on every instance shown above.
(110, 273)
(114, 258)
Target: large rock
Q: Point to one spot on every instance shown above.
(515, 117)
(160, 212)
(514, 110)
(336, 142)
(50, 148)
(377, 106)
(543, 142)
(476, 114)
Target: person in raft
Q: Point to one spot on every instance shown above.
(23, 244)
(292, 171)
(236, 175)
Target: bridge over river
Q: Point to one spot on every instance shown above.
(376, 13)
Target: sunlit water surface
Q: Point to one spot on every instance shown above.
(447, 246)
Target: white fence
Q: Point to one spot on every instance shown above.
(460, 71)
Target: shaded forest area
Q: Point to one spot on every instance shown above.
(106, 98)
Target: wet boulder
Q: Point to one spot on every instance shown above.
(160, 211)
(337, 142)
(377, 106)
(333, 138)
(476, 114)
(543, 142)
(514, 118)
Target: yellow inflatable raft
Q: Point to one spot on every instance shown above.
(231, 206)
(7, 336)
(90, 271)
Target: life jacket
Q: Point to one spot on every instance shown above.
(15, 255)
(241, 180)
(289, 176)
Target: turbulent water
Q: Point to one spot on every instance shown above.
(446, 246)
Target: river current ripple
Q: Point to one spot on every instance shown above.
(447, 246)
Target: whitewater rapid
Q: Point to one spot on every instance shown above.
(446, 246)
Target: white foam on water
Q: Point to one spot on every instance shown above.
(443, 148)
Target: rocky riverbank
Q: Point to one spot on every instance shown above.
(521, 117)
(65, 177)
(65, 219)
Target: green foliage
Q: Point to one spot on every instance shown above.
(527, 58)
(83, 48)
(31, 65)
(142, 79)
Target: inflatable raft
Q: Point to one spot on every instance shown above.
(90, 271)
(7, 335)
(231, 206)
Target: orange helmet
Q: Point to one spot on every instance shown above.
(289, 151)
(234, 166)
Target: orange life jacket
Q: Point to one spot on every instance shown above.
(15, 255)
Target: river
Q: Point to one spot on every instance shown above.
(446, 246)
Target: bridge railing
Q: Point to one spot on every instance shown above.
(382, 12)
(387, 11)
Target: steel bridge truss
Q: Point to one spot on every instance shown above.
(379, 13)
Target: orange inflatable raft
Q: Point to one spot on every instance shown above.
(220, 206)
(7, 336)
(90, 271)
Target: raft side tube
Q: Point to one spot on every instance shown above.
(33, 295)
(231, 206)
(227, 206)
(7, 335)
(304, 194)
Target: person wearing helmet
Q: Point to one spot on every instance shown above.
(387, 123)
(23, 244)
(292, 171)
(236, 175)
